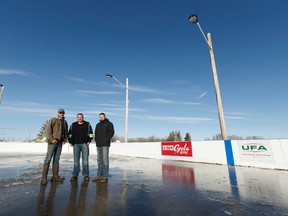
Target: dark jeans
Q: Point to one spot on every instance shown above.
(77, 149)
(103, 161)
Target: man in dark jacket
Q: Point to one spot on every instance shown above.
(80, 135)
(104, 132)
(56, 135)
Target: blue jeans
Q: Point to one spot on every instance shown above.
(103, 161)
(77, 149)
(53, 150)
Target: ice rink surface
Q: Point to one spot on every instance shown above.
(139, 186)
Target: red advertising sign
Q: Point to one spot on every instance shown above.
(176, 148)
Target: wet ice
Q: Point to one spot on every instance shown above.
(139, 186)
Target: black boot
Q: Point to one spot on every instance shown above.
(44, 174)
(56, 177)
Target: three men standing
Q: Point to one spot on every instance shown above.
(80, 136)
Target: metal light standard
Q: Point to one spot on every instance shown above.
(194, 19)
(1, 91)
(126, 112)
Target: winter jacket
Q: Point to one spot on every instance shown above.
(80, 133)
(104, 132)
(53, 130)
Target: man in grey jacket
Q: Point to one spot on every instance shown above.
(56, 132)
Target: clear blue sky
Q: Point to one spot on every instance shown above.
(55, 54)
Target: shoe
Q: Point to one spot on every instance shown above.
(86, 178)
(104, 180)
(74, 178)
(96, 179)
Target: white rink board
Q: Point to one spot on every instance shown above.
(202, 151)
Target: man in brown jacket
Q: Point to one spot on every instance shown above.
(56, 132)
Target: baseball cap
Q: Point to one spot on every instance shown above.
(61, 110)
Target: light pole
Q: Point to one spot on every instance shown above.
(194, 19)
(1, 91)
(126, 111)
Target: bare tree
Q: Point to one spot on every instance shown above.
(117, 138)
(234, 137)
(144, 139)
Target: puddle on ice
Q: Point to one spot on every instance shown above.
(12, 172)
(12, 166)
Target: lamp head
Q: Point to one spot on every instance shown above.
(193, 18)
(109, 76)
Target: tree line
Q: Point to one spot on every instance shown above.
(174, 135)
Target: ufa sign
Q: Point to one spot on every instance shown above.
(177, 148)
